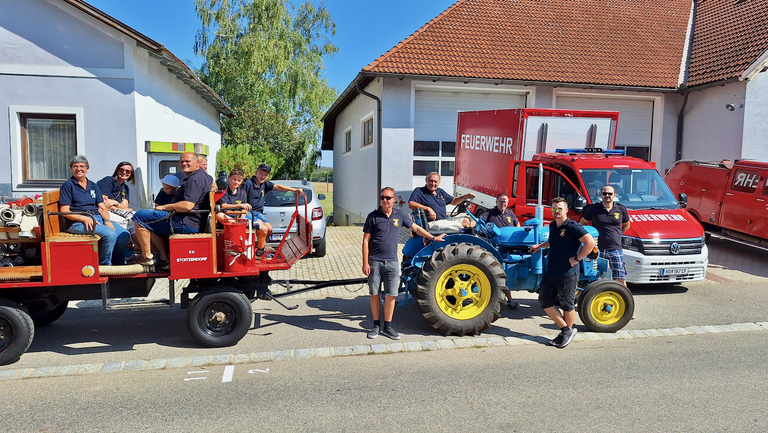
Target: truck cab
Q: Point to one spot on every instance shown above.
(664, 244)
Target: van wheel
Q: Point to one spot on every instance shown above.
(460, 289)
(606, 306)
(219, 316)
(16, 331)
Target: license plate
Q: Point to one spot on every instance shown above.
(674, 271)
(278, 237)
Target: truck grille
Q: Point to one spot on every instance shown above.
(679, 247)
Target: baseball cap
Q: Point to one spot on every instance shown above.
(171, 180)
(265, 167)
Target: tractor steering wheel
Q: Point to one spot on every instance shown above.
(460, 208)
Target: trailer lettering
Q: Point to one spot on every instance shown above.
(487, 143)
(191, 259)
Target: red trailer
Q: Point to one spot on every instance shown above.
(729, 198)
(59, 267)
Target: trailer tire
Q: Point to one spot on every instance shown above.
(219, 316)
(460, 289)
(606, 306)
(46, 317)
(16, 332)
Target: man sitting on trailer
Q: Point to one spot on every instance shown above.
(432, 200)
(192, 195)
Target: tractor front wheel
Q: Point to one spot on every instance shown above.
(606, 306)
(460, 289)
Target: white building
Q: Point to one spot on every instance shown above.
(74, 80)
(669, 68)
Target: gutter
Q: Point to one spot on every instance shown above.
(684, 86)
(378, 134)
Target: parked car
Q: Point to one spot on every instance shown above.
(278, 208)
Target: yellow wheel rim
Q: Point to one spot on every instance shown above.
(463, 292)
(607, 308)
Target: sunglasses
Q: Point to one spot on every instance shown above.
(125, 171)
(608, 193)
(556, 210)
(384, 197)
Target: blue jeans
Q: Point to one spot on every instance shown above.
(157, 222)
(112, 241)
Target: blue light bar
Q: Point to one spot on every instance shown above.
(591, 150)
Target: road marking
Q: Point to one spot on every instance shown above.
(229, 371)
(266, 370)
(197, 372)
(194, 378)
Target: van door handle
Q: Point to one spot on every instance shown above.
(704, 190)
(729, 193)
(760, 199)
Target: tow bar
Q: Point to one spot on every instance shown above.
(264, 293)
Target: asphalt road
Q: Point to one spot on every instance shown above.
(702, 383)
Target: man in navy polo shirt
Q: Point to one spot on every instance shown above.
(432, 200)
(256, 189)
(191, 195)
(502, 216)
(562, 274)
(380, 234)
(611, 220)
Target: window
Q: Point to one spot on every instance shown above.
(745, 181)
(348, 141)
(434, 156)
(367, 132)
(48, 142)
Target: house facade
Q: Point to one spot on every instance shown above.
(638, 58)
(77, 81)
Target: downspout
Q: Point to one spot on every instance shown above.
(684, 88)
(378, 138)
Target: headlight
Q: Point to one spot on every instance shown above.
(630, 243)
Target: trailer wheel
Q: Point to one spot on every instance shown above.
(606, 306)
(46, 317)
(460, 289)
(16, 331)
(219, 317)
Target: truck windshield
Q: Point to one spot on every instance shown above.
(635, 188)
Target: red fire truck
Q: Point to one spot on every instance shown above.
(729, 198)
(57, 267)
(500, 152)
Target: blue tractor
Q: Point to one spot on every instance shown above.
(459, 284)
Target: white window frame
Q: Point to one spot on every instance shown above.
(14, 116)
(347, 131)
(363, 120)
(439, 159)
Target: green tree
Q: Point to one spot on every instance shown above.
(265, 59)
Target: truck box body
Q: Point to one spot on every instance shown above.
(726, 195)
(664, 243)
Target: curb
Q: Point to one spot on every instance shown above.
(364, 349)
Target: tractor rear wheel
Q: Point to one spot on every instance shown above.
(16, 331)
(460, 289)
(606, 306)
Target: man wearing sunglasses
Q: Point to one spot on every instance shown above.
(562, 274)
(611, 220)
(380, 234)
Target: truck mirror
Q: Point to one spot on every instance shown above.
(578, 206)
(682, 198)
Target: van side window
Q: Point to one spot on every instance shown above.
(765, 188)
(745, 180)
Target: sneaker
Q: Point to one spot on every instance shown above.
(512, 304)
(391, 333)
(557, 341)
(373, 333)
(145, 261)
(568, 337)
(162, 265)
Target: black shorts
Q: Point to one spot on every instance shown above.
(560, 290)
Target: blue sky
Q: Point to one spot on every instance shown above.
(364, 29)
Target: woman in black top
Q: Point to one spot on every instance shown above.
(115, 189)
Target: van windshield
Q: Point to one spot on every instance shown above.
(635, 188)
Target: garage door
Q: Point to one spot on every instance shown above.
(435, 118)
(635, 120)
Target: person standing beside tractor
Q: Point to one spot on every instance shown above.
(380, 264)
(432, 199)
(502, 216)
(256, 189)
(562, 274)
(611, 220)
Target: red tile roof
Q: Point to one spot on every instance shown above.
(730, 35)
(609, 42)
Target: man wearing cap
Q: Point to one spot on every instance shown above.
(191, 195)
(170, 185)
(256, 189)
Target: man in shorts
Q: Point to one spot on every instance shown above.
(380, 263)
(153, 225)
(611, 220)
(432, 200)
(562, 274)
